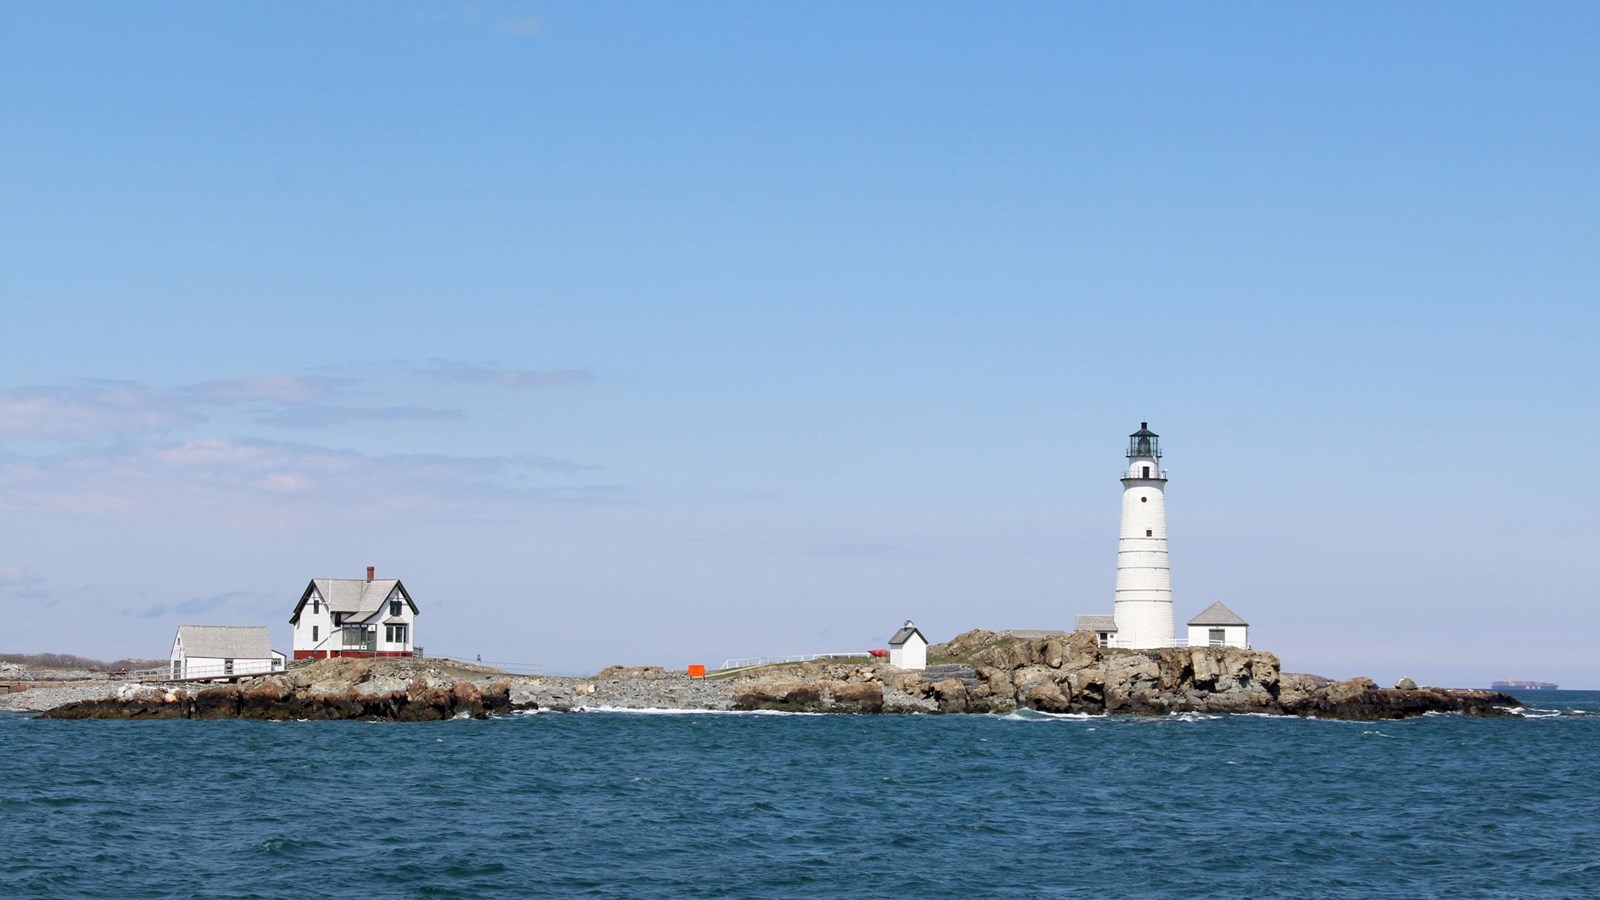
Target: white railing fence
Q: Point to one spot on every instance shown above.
(1176, 642)
(212, 670)
(513, 668)
(748, 661)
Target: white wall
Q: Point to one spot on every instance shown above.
(203, 666)
(384, 644)
(1143, 608)
(912, 655)
(322, 620)
(1236, 635)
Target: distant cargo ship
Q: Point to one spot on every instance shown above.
(1523, 686)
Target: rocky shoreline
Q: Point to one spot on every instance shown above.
(977, 672)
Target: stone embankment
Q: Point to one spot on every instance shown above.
(977, 672)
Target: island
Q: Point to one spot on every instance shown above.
(977, 672)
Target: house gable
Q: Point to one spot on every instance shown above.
(905, 634)
(222, 642)
(1217, 614)
(356, 598)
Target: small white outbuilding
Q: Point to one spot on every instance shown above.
(1104, 628)
(908, 649)
(1219, 626)
(218, 651)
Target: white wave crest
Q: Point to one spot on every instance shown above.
(1036, 715)
(663, 711)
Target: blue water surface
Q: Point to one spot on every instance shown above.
(750, 805)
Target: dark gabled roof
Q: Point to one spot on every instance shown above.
(1144, 431)
(1217, 614)
(358, 598)
(905, 633)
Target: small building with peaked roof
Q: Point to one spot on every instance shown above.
(908, 649)
(1219, 626)
(371, 617)
(222, 651)
(1104, 627)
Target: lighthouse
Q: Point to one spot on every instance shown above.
(1143, 611)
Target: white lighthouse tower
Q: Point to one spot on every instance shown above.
(1144, 581)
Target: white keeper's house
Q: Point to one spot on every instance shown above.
(368, 617)
(218, 651)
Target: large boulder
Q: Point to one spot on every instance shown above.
(1132, 681)
(951, 695)
(779, 693)
(1024, 679)
(1344, 692)
(1047, 696)
(863, 697)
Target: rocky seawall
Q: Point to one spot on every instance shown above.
(978, 672)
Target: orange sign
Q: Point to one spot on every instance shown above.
(697, 671)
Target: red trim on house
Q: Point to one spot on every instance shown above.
(355, 654)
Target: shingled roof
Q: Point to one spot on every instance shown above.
(905, 633)
(357, 598)
(225, 641)
(1095, 623)
(1217, 614)
(355, 595)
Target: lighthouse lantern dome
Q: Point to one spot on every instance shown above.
(1144, 442)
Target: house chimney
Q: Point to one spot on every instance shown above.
(371, 570)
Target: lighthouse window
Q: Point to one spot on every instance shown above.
(1144, 499)
(1149, 533)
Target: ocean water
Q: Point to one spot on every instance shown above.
(749, 805)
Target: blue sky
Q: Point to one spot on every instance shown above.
(656, 333)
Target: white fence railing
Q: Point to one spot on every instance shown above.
(513, 668)
(218, 670)
(1177, 642)
(1139, 476)
(746, 662)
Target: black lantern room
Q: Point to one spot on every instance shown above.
(1144, 442)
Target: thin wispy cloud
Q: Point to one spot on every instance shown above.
(521, 27)
(256, 483)
(90, 410)
(325, 416)
(285, 389)
(192, 607)
(551, 464)
(515, 379)
(14, 575)
(19, 583)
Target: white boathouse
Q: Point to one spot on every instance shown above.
(219, 651)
